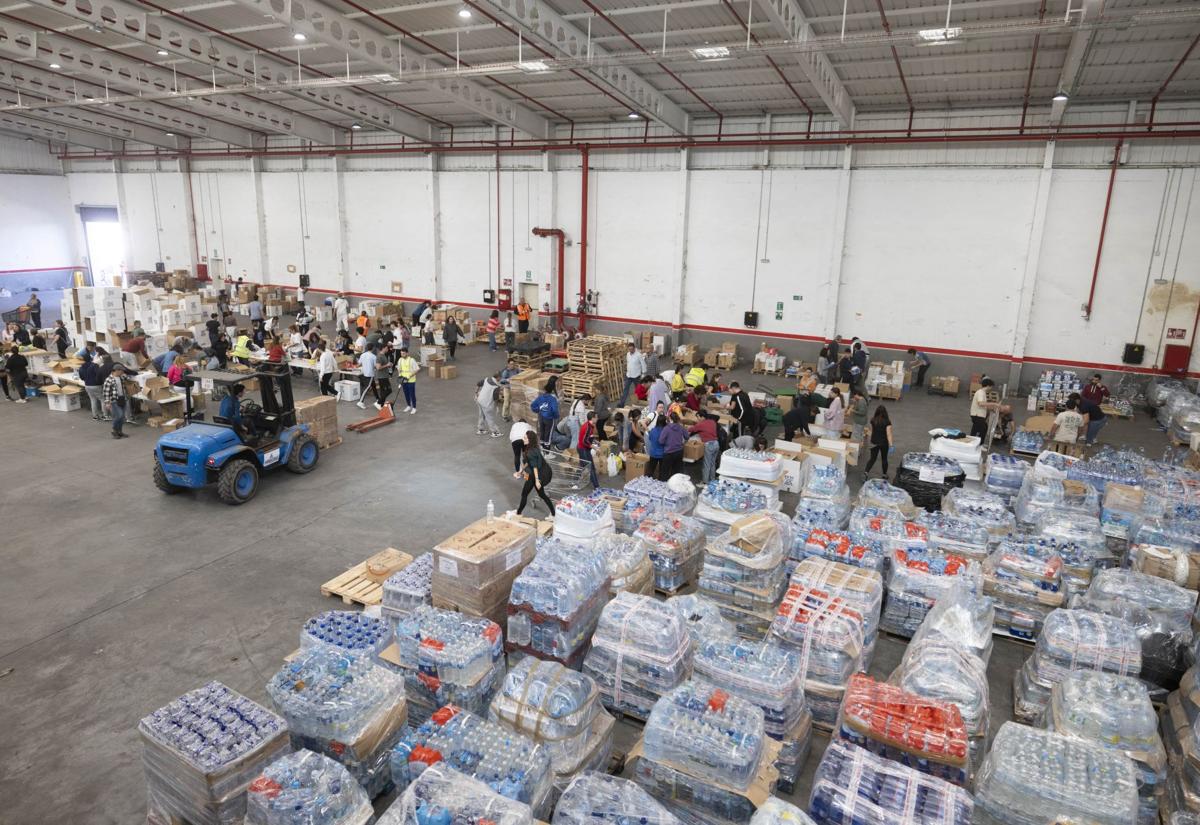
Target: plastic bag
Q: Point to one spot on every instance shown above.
(442, 794)
(304, 788)
(596, 798)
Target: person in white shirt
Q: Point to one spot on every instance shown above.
(1067, 424)
(516, 435)
(660, 393)
(360, 343)
(366, 363)
(341, 311)
(635, 368)
(485, 400)
(326, 369)
(300, 295)
(296, 348)
(271, 324)
(980, 406)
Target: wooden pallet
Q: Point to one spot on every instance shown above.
(363, 583)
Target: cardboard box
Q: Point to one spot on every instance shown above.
(1039, 423)
(484, 550)
(635, 465)
(449, 371)
(693, 450)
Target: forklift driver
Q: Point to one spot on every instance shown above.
(231, 410)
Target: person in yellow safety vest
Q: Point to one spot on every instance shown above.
(242, 347)
(677, 385)
(407, 369)
(524, 311)
(695, 377)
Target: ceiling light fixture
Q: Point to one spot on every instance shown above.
(464, 13)
(940, 35)
(55, 66)
(170, 134)
(355, 126)
(1060, 97)
(163, 52)
(711, 52)
(633, 116)
(533, 66)
(299, 37)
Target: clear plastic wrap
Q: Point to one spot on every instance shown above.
(706, 733)
(1185, 421)
(937, 669)
(985, 509)
(1006, 472)
(1109, 466)
(627, 513)
(827, 632)
(641, 650)
(1024, 578)
(508, 763)
(886, 529)
(599, 799)
(833, 546)
(628, 562)
(1159, 612)
(1037, 777)
(1159, 388)
(448, 658)
(963, 619)
(743, 571)
(853, 786)
(1115, 712)
(443, 795)
(348, 630)
(825, 481)
(199, 772)
(306, 788)
(344, 706)
(675, 544)
(1167, 549)
(1040, 494)
(406, 590)
(556, 601)
(954, 534)
(877, 493)
(1171, 493)
(1050, 465)
(579, 519)
(777, 812)
(702, 618)
(694, 801)
(916, 579)
(1079, 542)
(1027, 441)
(928, 478)
(917, 731)
(1121, 507)
(859, 587)
(1073, 640)
(660, 496)
(824, 513)
(752, 464)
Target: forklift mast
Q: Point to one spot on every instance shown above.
(283, 406)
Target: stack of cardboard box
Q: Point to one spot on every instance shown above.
(320, 414)
(944, 385)
(687, 355)
(474, 569)
(524, 387)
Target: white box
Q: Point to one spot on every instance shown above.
(63, 401)
(348, 390)
(324, 313)
(273, 312)
(795, 473)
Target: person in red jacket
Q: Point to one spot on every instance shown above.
(1095, 391)
(587, 440)
(493, 326)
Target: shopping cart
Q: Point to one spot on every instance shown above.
(20, 315)
(569, 475)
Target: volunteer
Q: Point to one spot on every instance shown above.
(706, 428)
(920, 362)
(116, 400)
(1095, 391)
(341, 311)
(798, 417)
(17, 368)
(493, 326)
(366, 363)
(485, 400)
(516, 437)
(1094, 418)
(882, 442)
(858, 415)
(450, 334)
(585, 444)
(407, 369)
(242, 347)
(537, 474)
(835, 414)
(546, 408)
(635, 368)
(1067, 424)
(524, 310)
(807, 382)
(326, 369)
(980, 408)
(654, 447)
(506, 375)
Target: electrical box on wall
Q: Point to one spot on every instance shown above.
(304, 280)
(1134, 353)
(489, 296)
(750, 319)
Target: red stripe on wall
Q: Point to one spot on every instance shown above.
(38, 269)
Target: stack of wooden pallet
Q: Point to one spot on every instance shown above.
(597, 365)
(530, 360)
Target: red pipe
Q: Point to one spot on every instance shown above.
(560, 240)
(497, 220)
(1170, 77)
(583, 240)
(1112, 179)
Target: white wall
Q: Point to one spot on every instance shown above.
(36, 227)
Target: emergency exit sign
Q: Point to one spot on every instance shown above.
(1176, 332)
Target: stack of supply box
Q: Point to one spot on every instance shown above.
(827, 632)
(474, 569)
(877, 493)
(640, 651)
(556, 602)
(675, 544)
(1024, 577)
(581, 520)
(523, 389)
(825, 544)
(308, 788)
(1180, 720)
(442, 795)
(1005, 474)
(1033, 775)
(769, 675)
(705, 756)
(744, 573)
(448, 658)
(1167, 549)
(1121, 507)
(594, 798)
(863, 589)
(1056, 386)
(628, 561)
(966, 451)
(853, 786)
(1080, 545)
(1040, 494)
(825, 491)
(508, 763)
(984, 509)
(763, 471)
(702, 619)
(918, 578)
(928, 478)
(558, 709)
(1160, 614)
(1115, 712)
(197, 771)
(406, 590)
(347, 630)
(886, 380)
(1073, 640)
(953, 534)
(320, 414)
(922, 733)
(345, 706)
(724, 501)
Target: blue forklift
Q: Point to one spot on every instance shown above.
(232, 454)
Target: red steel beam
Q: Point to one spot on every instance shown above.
(745, 25)
(583, 239)
(1037, 39)
(1112, 179)
(1170, 77)
(887, 27)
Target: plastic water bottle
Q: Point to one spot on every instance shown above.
(491, 510)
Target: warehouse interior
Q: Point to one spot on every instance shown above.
(1003, 188)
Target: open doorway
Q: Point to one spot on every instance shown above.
(530, 295)
(105, 245)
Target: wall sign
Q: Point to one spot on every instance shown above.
(1176, 332)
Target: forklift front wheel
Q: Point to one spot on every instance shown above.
(238, 481)
(304, 455)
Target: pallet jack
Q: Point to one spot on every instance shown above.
(385, 416)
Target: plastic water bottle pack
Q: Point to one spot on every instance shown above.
(1006, 472)
(702, 619)
(954, 534)
(556, 601)
(939, 670)
(1040, 494)
(813, 513)
(676, 545)
(1168, 549)
(506, 762)
(408, 589)
(628, 561)
(834, 546)
(928, 478)
(877, 493)
(599, 799)
(861, 588)
(916, 579)
(1073, 640)
(744, 574)
(1031, 775)
(853, 786)
(449, 658)
(580, 519)
(306, 788)
(886, 529)
(723, 500)
(443, 796)
(1027, 441)
(1115, 712)
(348, 630)
(345, 706)
(963, 619)
(1109, 466)
(760, 466)
(641, 650)
(985, 509)
(1077, 540)
(202, 750)
(1024, 577)
(660, 495)
(825, 481)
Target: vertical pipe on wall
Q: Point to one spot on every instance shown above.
(1112, 179)
(583, 238)
(497, 286)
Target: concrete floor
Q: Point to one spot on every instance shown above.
(115, 599)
